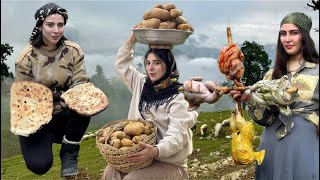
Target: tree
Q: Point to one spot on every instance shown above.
(99, 79)
(315, 6)
(6, 50)
(118, 96)
(256, 62)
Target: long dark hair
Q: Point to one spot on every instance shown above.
(308, 49)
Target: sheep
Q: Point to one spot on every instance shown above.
(217, 129)
(219, 126)
(87, 136)
(226, 122)
(203, 129)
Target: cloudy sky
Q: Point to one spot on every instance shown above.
(101, 26)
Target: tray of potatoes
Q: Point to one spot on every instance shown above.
(163, 24)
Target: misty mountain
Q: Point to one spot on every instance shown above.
(189, 49)
(192, 49)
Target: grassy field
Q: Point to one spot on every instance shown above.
(91, 163)
(9, 142)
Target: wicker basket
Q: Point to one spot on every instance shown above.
(116, 158)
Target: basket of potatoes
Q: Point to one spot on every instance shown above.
(163, 25)
(119, 138)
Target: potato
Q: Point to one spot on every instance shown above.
(127, 142)
(180, 20)
(106, 131)
(102, 139)
(175, 13)
(159, 6)
(184, 27)
(115, 143)
(143, 122)
(147, 130)
(172, 25)
(149, 124)
(139, 25)
(114, 137)
(169, 6)
(119, 134)
(161, 14)
(137, 139)
(108, 128)
(152, 23)
(191, 28)
(100, 132)
(164, 25)
(129, 137)
(121, 125)
(134, 129)
(167, 25)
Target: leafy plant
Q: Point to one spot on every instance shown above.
(6, 50)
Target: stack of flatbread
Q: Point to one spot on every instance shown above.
(85, 99)
(31, 106)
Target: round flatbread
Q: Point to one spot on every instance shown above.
(31, 106)
(85, 99)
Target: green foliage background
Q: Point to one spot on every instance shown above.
(6, 50)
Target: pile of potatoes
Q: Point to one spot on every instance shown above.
(165, 16)
(126, 134)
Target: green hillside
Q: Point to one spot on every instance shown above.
(91, 162)
(9, 142)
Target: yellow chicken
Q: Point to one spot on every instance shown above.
(242, 140)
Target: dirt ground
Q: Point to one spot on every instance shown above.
(224, 169)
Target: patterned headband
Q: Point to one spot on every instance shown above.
(42, 13)
(298, 19)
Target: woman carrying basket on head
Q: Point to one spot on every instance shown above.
(156, 96)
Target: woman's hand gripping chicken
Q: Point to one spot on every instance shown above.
(197, 92)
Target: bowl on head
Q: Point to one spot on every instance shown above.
(169, 37)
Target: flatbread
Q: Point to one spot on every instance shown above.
(31, 106)
(85, 99)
